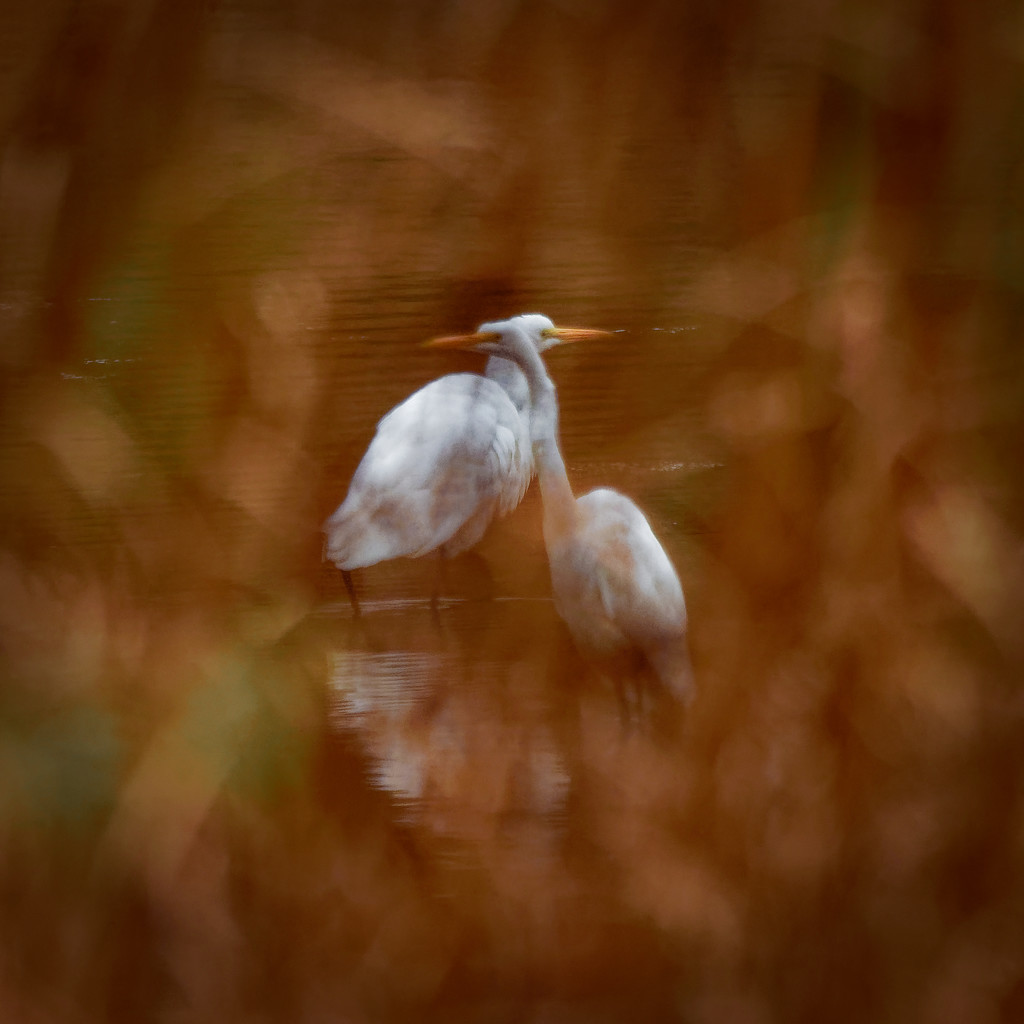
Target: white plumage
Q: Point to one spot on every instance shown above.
(617, 590)
(441, 465)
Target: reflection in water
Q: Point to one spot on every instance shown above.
(525, 796)
(438, 736)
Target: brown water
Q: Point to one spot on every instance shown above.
(225, 232)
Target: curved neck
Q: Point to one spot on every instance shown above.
(506, 373)
(555, 489)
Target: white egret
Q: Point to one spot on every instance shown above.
(441, 465)
(613, 584)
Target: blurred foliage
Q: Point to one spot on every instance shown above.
(223, 228)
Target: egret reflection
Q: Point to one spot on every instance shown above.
(434, 738)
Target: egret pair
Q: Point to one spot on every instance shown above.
(464, 448)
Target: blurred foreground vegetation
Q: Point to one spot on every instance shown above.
(223, 229)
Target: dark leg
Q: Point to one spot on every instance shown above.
(435, 595)
(622, 695)
(350, 587)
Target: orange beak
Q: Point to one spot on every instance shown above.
(461, 340)
(566, 335)
(570, 335)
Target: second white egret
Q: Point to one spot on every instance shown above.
(613, 584)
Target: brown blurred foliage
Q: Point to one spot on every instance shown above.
(223, 228)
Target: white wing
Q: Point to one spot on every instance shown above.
(439, 467)
(614, 585)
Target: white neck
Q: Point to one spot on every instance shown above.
(555, 489)
(506, 373)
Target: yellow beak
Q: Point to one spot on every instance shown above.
(569, 335)
(460, 340)
(566, 335)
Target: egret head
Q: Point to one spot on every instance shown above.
(496, 336)
(537, 327)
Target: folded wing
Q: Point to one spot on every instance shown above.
(438, 469)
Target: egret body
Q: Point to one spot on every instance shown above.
(441, 465)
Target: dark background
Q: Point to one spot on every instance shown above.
(224, 228)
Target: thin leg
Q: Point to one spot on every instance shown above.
(435, 595)
(622, 696)
(350, 587)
